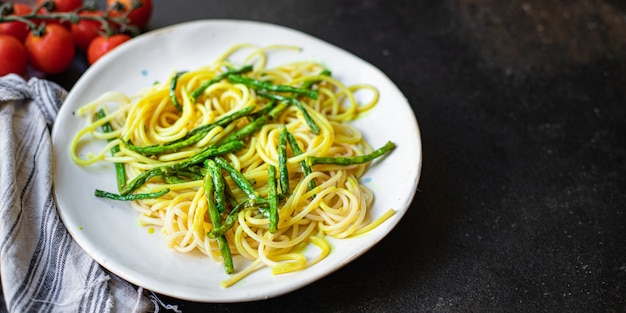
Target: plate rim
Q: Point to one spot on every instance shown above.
(278, 292)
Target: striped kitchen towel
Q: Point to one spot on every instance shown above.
(41, 267)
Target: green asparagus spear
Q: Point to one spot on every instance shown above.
(198, 91)
(245, 131)
(131, 197)
(312, 160)
(306, 169)
(230, 220)
(273, 199)
(216, 220)
(192, 137)
(173, 179)
(253, 126)
(120, 170)
(199, 157)
(291, 100)
(173, 84)
(309, 83)
(264, 85)
(282, 162)
(218, 183)
(239, 179)
(189, 174)
(265, 110)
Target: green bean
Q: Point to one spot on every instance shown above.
(173, 84)
(282, 162)
(307, 117)
(192, 137)
(273, 199)
(216, 221)
(306, 169)
(120, 170)
(131, 197)
(265, 85)
(198, 91)
(199, 157)
(239, 179)
(312, 160)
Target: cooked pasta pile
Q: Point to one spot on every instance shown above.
(166, 141)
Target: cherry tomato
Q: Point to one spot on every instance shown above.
(139, 16)
(102, 45)
(52, 52)
(12, 56)
(63, 5)
(86, 30)
(18, 30)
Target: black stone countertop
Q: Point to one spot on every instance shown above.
(522, 107)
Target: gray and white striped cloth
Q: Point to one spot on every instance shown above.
(41, 267)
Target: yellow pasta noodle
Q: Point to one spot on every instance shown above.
(327, 202)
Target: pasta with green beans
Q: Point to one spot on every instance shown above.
(240, 160)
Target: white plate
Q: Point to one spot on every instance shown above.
(108, 230)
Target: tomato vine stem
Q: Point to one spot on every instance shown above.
(36, 20)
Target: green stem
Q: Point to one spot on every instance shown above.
(73, 17)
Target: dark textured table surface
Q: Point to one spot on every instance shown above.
(522, 107)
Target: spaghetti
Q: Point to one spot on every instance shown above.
(220, 159)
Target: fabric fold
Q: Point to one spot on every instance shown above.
(41, 267)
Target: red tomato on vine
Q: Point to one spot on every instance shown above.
(51, 52)
(86, 30)
(102, 45)
(16, 29)
(139, 16)
(63, 5)
(12, 56)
